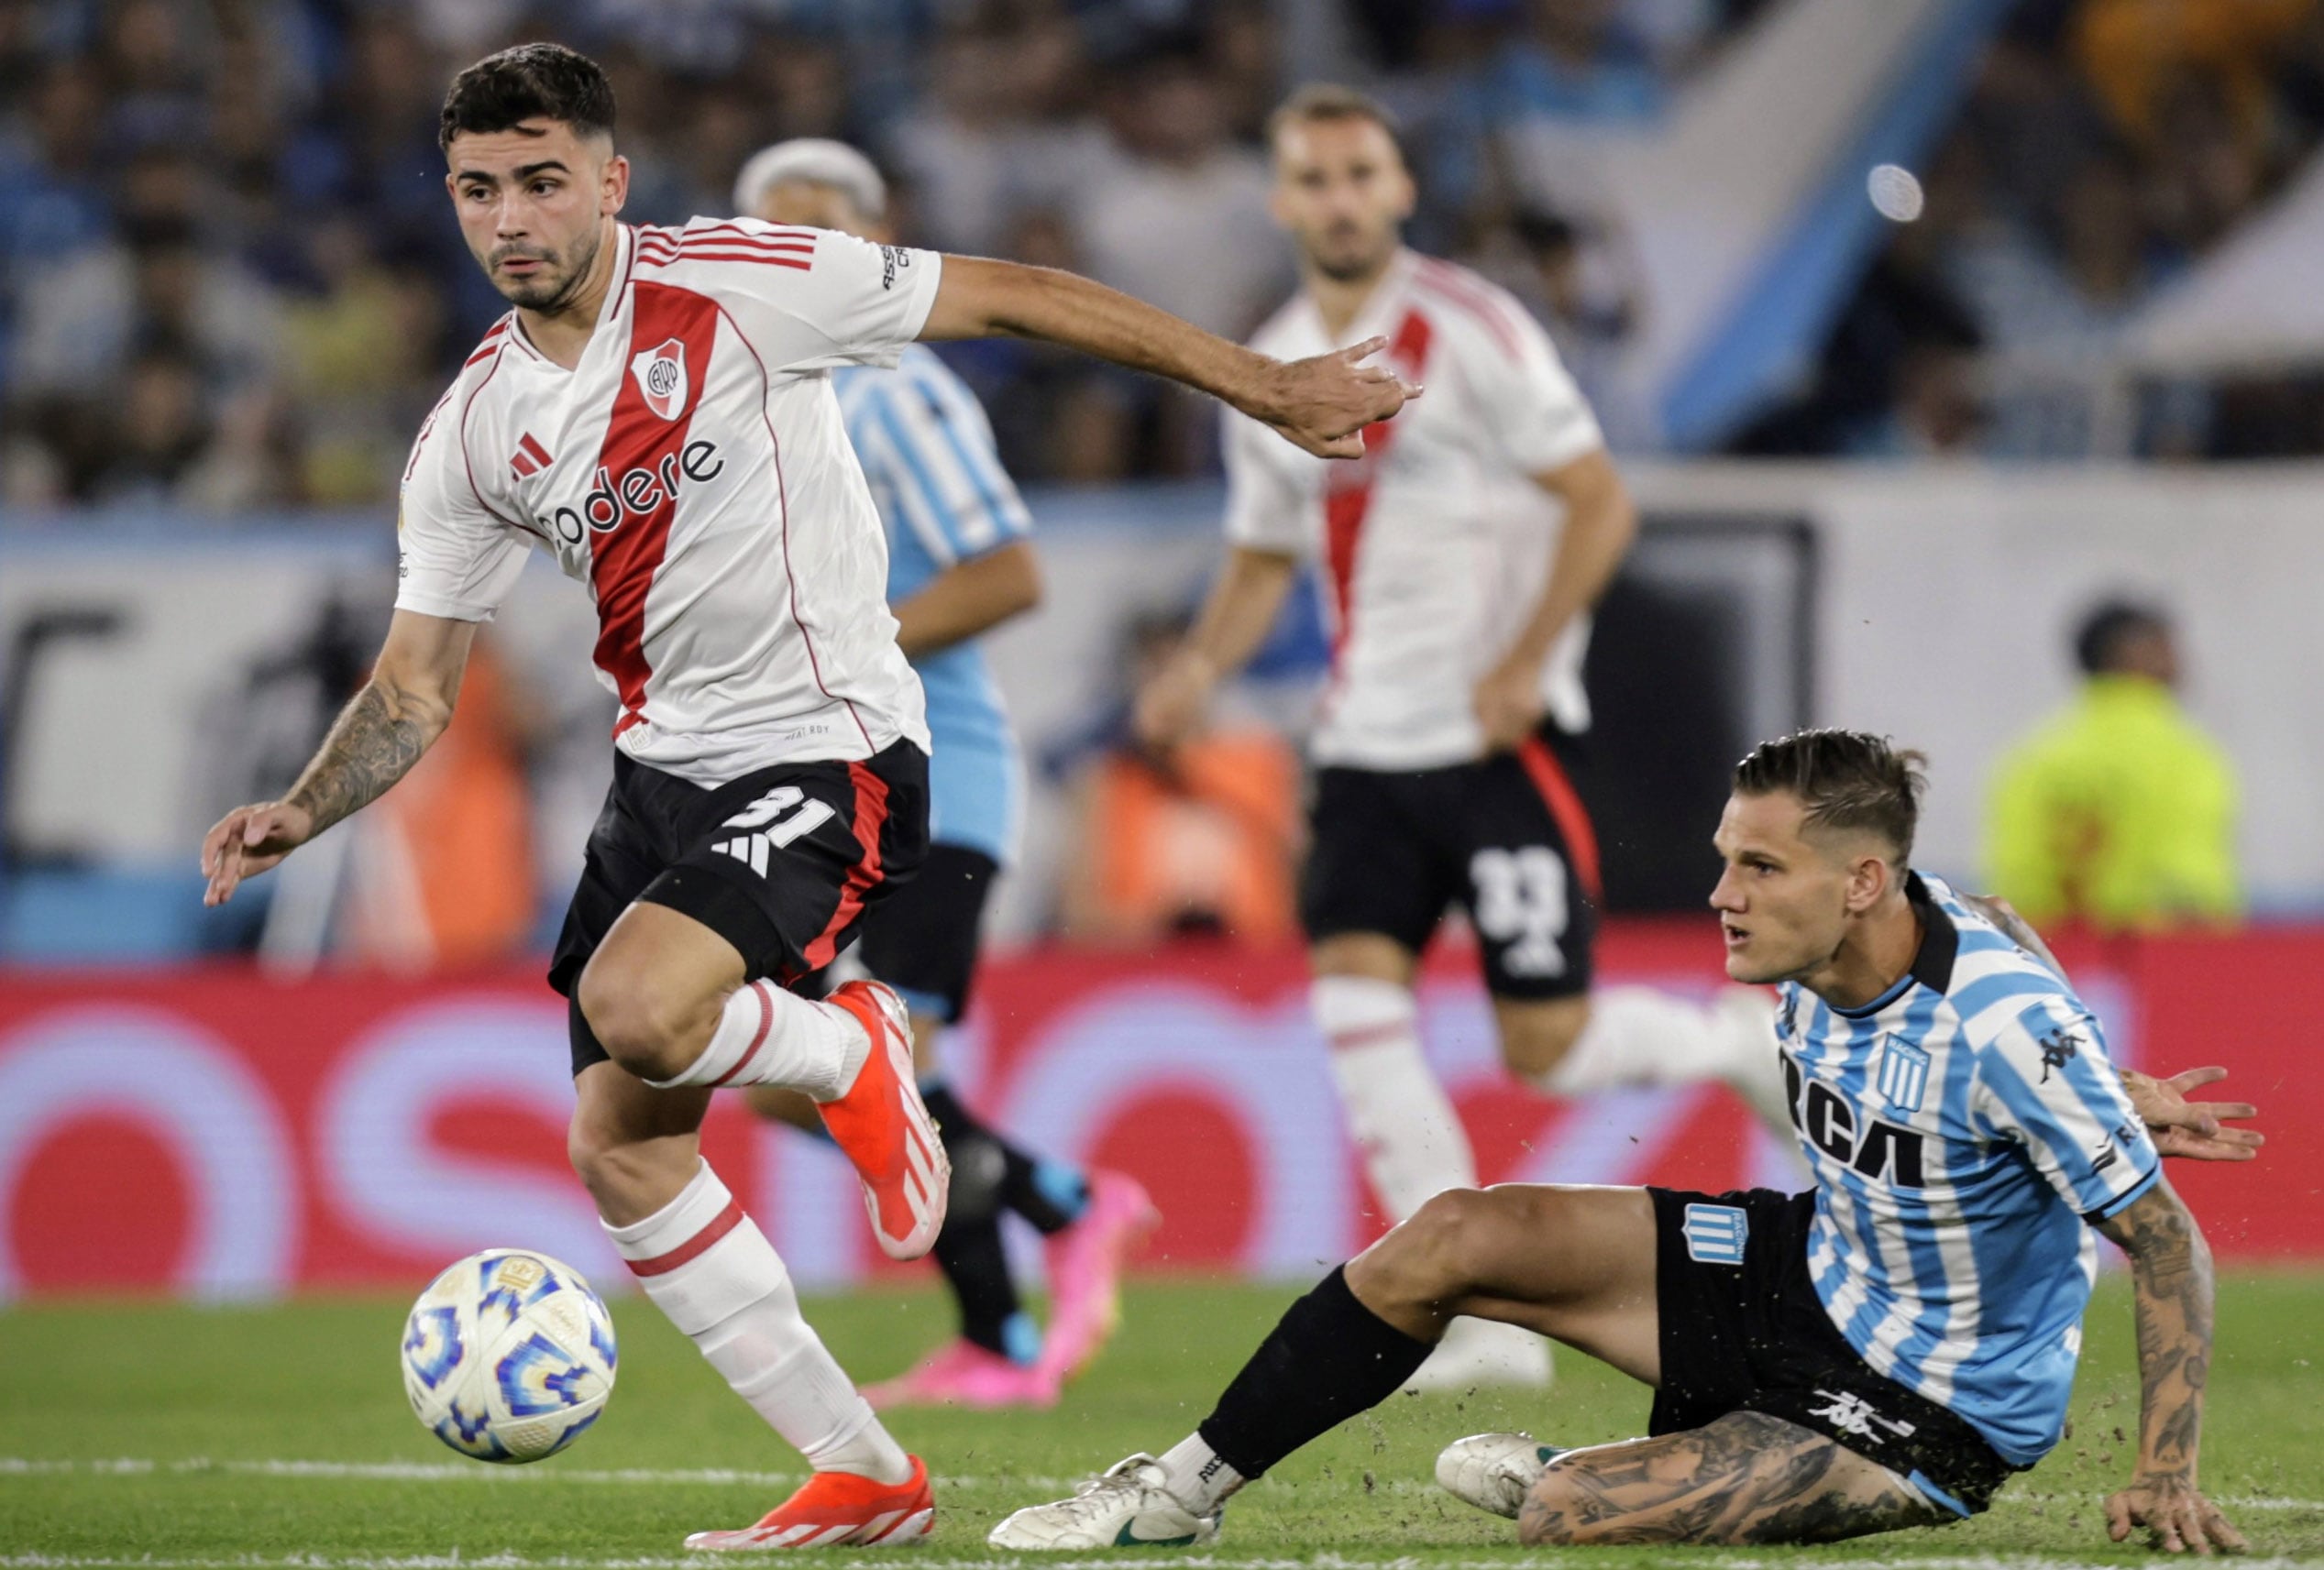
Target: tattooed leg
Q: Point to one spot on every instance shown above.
(1744, 1477)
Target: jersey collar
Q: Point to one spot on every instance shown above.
(1931, 963)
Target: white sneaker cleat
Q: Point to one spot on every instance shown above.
(1480, 1352)
(1494, 1472)
(1126, 1507)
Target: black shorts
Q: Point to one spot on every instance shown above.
(1505, 837)
(783, 863)
(924, 942)
(1743, 1331)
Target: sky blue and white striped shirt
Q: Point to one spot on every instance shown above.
(1963, 1128)
(927, 449)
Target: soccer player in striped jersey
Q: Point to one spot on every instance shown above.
(1882, 1351)
(1461, 560)
(657, 413)
(960, 562)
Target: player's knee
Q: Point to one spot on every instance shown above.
(1429, 1260)
(647, 1028)
(1535, 1037)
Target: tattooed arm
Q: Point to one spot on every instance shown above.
(376, 740)
(2171, 1278)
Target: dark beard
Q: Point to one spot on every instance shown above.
(1354, 272)
(549, 299)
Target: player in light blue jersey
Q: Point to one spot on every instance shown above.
(1880, 1352)
(960, 562)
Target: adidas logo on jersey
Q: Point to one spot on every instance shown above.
(531, 457)
(661, 376)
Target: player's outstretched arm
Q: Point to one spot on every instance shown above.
(1234, 620)
(1321, 404)
(374, 742)
(2171, 1280)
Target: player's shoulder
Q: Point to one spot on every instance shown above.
(1470, 308)
(469, 395)
(2001, 994)
(704, 249)
(1292, 331)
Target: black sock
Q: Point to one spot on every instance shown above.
(969, 1250)
(1327, 1360)
(1048, 1193)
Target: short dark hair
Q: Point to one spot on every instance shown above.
(2107, 627)
(1331, 101)
(1845, 779)
(527, 82)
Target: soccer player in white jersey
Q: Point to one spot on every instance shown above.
(1460, 561)
(656, 413)
(1882, 1351)
(960, 562)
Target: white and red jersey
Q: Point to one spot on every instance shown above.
(1435, 544)
(693, 471)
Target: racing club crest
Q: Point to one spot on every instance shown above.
(661, 376)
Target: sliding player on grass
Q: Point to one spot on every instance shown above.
(656, 413)
(1882, 1351)
(960, 562)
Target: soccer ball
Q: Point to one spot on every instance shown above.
(508, 1355)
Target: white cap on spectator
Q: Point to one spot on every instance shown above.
(818, 161)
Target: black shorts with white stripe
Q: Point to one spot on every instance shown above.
(782, 862)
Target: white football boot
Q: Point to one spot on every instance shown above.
(1478, 1353)
(1494, 1471)
(1126, 1507)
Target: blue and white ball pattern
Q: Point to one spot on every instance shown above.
(508, 1355)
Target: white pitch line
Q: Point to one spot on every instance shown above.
(479, 1472)
(1691, 1558)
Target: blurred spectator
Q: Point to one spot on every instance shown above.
(1200, 841)
(2118, 812)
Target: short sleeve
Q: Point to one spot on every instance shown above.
(806, 299)
(1532, 411)
(2046, 1082)
(454, 558)
(927, 444)
(1267, 504)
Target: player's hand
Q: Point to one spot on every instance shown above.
(2195, 1129)
(248, 841)
(1323, 404)
(1508, 705)
(1170, 706)
(2178, 1519)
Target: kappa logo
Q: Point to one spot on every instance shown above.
(2058, 1049)
(661, 376)
(1854, 1416)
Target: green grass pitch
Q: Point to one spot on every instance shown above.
(265, 1437)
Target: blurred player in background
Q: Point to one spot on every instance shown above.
(960, 562)
(2118, 812)
(656, 413)
(1463, 557)
(1882, 1351)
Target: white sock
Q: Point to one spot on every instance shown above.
(1413, 1143)
(1638, 1036)
(709, 1267)
(1198, 1476)
(768, 1036)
